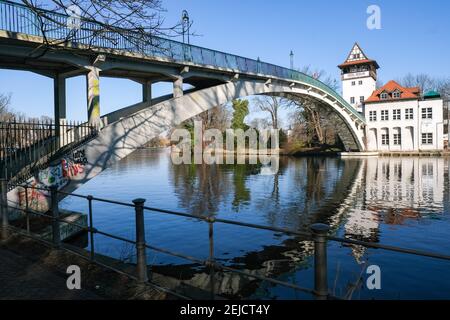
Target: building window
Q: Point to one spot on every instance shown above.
(427, 138)
(352, 100)
(409, 114)
(360, 82)
(397, 139)
(383, 96)
(427, 113)
(385, 139)
(361, 99)
(372, 116)
(384, 115)
(396, 94)
(396, 114)
(353, 83)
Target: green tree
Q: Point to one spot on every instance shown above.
(240, 111)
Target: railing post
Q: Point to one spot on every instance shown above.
(4, 207)
(55, 216)
(319, 235)
(91, 228)
(211, 261)
(141, 255)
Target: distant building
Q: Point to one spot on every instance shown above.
(359, 77)
(401, 119)
(398, 118)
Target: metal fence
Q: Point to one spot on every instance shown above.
(26, 146)
(19, 18)
(319, 235)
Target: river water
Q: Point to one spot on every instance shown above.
(393, 201)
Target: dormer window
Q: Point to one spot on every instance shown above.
(383, 96)
(396, 94)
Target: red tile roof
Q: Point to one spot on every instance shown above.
(356, 62)
(389, 88)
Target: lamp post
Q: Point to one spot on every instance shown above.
(292, 59)
(185, 24)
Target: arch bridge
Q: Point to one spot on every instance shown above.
(216, 78)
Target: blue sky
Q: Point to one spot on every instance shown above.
(414, 38)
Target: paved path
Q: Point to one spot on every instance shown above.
(21, 278)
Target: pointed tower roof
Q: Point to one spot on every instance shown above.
(357, 56)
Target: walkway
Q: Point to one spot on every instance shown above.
(33, 271)
(22, 278)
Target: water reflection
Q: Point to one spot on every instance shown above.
(397, 201)
(357, 196)
(395, 190)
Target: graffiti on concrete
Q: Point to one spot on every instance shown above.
(79, 157)
(58, 175)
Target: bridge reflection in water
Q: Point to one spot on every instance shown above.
(396, 201)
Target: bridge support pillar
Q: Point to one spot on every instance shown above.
(147, 91)
(59, 88)
(93, 95)
(178, 87)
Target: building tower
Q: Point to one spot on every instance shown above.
(359, 77)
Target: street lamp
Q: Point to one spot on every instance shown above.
(185, 24)
(292, 60)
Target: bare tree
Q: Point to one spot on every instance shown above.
(426, 83)
(260, 123)
(118, 24)
(309, 110)
(5, 101)
(272, 105)
(308, 113)
(321, 75)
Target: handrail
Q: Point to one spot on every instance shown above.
(319, 236)
(157, 47)
(29, 146)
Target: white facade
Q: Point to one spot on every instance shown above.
(405, 125)
(357, 87)
(359, 78)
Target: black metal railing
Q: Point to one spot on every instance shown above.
(26, 146)
(319, 234)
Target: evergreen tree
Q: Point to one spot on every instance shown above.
(240, 111)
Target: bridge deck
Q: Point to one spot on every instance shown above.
(19, 20)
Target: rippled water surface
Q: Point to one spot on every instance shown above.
(396, 201)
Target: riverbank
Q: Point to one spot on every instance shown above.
(314, 151)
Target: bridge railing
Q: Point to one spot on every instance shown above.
(318, 235)
(29, 145)
(19, 18)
